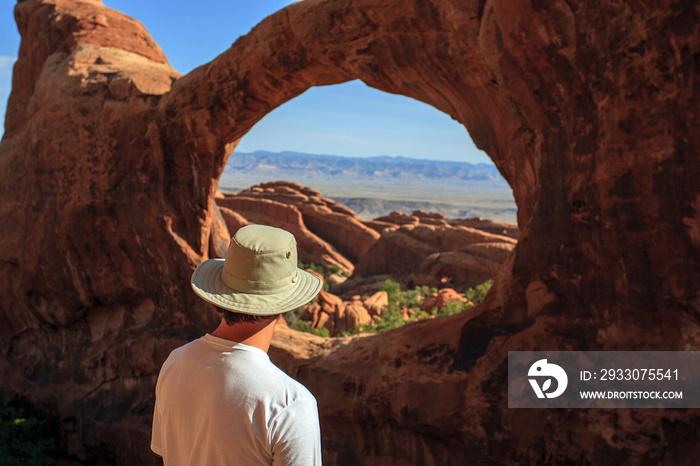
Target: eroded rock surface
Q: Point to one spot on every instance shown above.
(435, 255)
(588, 108)
(328, 233)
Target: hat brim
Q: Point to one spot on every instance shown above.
(208, 285)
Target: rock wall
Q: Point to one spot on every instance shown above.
(588, 108)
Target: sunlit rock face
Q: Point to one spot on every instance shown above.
(588, 108)
(327, 233)
(436, 255)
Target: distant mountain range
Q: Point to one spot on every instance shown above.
(376, 186)
(300, 167)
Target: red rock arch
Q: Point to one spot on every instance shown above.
(109, 165)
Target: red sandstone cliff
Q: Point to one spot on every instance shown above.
(589, 109)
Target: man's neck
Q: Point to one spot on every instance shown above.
(256, 334)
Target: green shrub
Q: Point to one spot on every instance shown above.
(393, 290)
(413, 299)
(478, 293)
(25, 439)
(389, 320)
(319, 270)
(303, 326)
(311, 266)
(452, 308)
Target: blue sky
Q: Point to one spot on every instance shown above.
(348, 119)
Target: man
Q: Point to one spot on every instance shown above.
(219, 399)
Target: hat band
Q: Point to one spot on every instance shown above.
(258, 287)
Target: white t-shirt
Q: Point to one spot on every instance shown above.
(219, 402)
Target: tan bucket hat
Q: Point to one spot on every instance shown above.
(259, 275)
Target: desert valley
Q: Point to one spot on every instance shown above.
(374, 187)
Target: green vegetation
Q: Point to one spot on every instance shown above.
(311, 266)
(404, 307)
(25, 438)
(306, 327)
(409, 302)
(335, 269)
(478, 293)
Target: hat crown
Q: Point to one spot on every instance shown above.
(259, 275)
(260, 260)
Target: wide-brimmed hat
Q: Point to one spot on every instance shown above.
(259, 275)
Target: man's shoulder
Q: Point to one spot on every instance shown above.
(290, 384)
(186, 347)
(281, 389)
(190, 351)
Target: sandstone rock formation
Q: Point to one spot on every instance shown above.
(337, 316)
(327, 232)
(489, 226)
(441, 299)
(588, 108)
(468, 267)
(398, 218)
(434, 218)
(435, 255)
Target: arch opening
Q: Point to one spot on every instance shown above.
(330, 166)
(321, 138)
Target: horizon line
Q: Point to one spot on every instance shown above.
(289, 151)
